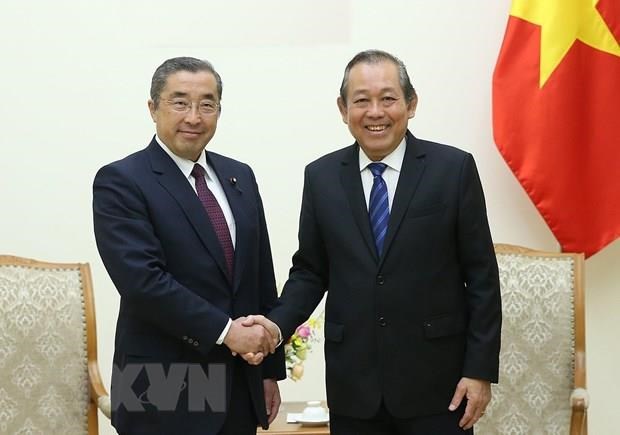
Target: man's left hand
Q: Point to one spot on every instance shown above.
(478, 394)
(272, 398)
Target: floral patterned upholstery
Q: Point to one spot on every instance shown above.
(44, 351)
(542, 359)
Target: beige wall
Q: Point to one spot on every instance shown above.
(74, 87)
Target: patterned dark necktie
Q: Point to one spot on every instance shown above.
(378, 208)
(216, 216)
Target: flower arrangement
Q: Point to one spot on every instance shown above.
(297, 347)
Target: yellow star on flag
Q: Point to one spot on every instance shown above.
(562, 22)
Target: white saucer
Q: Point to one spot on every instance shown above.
(311, 423)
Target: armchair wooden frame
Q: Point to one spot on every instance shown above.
(99, 398)
(579, 397)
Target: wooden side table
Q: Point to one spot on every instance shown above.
(281, 427)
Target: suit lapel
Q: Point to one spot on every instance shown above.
(408, 180)
(228, 177)
(171, 179)
(352, 184)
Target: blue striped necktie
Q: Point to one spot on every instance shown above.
(378, 209)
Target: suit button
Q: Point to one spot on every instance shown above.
(382, 321)
(196, 344)
(190, 340)
(380, 280)
(185, 338)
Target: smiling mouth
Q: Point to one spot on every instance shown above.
(376, 128)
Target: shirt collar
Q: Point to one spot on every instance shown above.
(186, 166)
(393, 160)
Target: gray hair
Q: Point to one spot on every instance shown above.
(175, 65)
(374, 57)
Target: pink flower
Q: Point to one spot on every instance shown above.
(303, 331)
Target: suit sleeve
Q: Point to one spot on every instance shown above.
(135, 261)
(273, 365)
(308, 277)
(479, 268)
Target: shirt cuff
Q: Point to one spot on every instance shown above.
(280, 340)
(220, 340)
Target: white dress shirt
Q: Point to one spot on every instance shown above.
(213, 183)
(394, 162)
(186, 166)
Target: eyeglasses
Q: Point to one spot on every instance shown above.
(181, 105)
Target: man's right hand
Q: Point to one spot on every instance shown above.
(250, 339)
(257, 319)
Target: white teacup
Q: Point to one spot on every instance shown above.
(314, 411)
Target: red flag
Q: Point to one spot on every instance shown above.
(556, 115)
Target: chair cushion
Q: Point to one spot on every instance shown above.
(43, 367)
(536, 359)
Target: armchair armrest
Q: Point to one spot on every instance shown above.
(579, 401)
(579, 398)
(104, 404)
(98, 392)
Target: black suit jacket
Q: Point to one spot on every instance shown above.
(403, 328)
(162, 254)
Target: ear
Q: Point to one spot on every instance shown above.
(413, 104)
(152, 109)
(342, 106)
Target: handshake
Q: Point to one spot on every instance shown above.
(253, 337)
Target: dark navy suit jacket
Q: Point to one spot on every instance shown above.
(405, 327)
(162, 254)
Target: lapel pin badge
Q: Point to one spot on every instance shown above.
(233, 183)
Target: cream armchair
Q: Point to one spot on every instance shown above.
(49, 376)
(542, 379)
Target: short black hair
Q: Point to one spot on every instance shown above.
(373, 57)
(176, 64)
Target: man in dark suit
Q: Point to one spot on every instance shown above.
(182, 234)
(395, 228)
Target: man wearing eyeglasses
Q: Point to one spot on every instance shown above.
(182, 234)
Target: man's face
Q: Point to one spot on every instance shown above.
(180, 119)
(375, 108)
